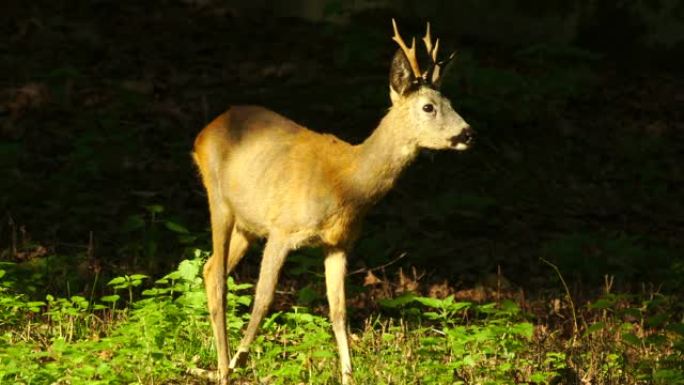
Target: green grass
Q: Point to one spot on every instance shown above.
(155, 335)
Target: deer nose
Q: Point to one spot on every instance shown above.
(465, 137)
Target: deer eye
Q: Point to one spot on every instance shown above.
(428, 107)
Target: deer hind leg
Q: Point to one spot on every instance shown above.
(274, 256)
(239, 244)
(222, 221)
(335, 271)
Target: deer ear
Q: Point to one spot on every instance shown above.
(401, 76)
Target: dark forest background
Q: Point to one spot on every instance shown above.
(552, 252)
(577, 106)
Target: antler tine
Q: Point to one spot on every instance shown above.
(431, 50)
(409, 52)
(440, 68)
(434, 51)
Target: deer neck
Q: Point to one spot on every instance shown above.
(383, 156)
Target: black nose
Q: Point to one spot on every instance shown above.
(466, 136)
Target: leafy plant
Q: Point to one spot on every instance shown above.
(158, 337)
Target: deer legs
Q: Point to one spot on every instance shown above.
(216, 270)
(274, 255)
(335, 271)
(275, 252)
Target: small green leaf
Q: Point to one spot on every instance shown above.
(458, 306)
(80, 301)
(154, 291)
(244, 300)
(171, 276)
(176, 228)
(188, 269)
(510, 307)
(187, 238)
(117, 281)
(270, 320)
(155, 209)
(139, 276)
(323, 354)
(431, 302)
(626, 327)
(656, 320)
(34, 306)
(110, 298)
(431, 315)
(603, 303)
(631, 339)
(633, 312)
(542, 377)
(469, 360)
(656, 339)
(487, 308)
(524, 329)
(239, 287)
(596, 326)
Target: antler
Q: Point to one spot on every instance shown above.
(410, 53)
(440, 69)
(431, 51)
(436, 69)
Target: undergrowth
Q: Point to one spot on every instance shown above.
(158, 334)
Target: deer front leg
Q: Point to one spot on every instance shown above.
(335, 271)
(274, 255)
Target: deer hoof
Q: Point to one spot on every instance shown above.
(347, 379)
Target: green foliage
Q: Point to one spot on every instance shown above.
(631, 327)
(127, 282)
(490, 349)
(148, 230)
(156, 338)
(95, 343)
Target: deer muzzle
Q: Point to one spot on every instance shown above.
(463, 140)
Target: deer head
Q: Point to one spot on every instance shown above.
(430, 119)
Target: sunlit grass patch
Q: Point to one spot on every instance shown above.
(158, 335)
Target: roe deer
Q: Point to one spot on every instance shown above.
(268, 177)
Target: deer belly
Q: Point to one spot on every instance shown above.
(306, 221)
